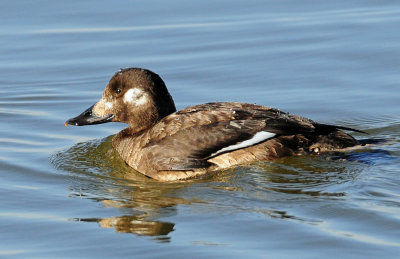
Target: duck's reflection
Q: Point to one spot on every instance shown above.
(141, 207)
(99, 174)
(142, 202)
(135, 224)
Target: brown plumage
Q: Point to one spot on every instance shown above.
(168, 145)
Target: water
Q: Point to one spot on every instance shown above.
(65, 193)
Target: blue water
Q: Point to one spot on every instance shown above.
(65, 193)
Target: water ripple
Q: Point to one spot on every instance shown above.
(359, 14)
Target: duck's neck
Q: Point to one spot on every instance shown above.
(128, 133)
(124, 142)
(142, 123)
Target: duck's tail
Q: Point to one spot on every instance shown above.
(374, 141)
(326, 129)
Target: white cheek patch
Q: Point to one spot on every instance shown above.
(135, 96)
(142, 100)
(257, 138)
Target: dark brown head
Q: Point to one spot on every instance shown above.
(135, 96)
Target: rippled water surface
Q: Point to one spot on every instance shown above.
(65, 193)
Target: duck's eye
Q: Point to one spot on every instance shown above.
(118, 91)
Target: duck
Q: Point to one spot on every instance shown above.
(168, 145)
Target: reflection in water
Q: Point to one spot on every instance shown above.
(100, 174)
(135, 224)
(268, 188)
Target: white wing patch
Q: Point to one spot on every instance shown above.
(257, 138)
(135, 96)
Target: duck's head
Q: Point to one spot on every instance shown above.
(135, 96)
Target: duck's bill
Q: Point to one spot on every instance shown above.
(89, 118)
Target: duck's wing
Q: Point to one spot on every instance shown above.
(225, 127)
(191, 147)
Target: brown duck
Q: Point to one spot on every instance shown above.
(166, 144)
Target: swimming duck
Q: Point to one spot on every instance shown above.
(167, 145)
